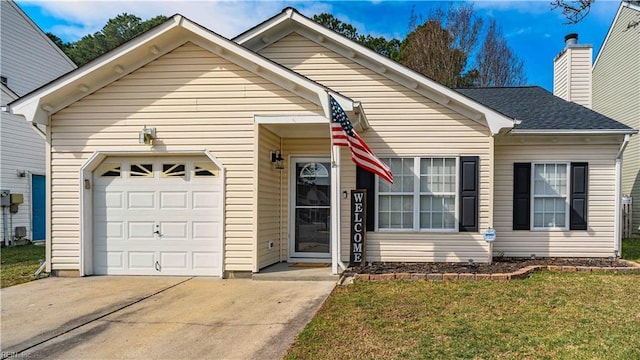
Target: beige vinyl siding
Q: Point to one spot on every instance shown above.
(616, 93)
(269, 201)
(561, 76)
(403, 123)
(598, 240)
(572, 74)
(196, 101)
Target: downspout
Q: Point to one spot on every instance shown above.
(280, 210)
(617, 229)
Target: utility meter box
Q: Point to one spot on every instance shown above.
(5, 197)
(17, 198)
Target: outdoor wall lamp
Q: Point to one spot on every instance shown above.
(147, 135)
(277, 160)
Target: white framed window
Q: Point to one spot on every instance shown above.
(550, 194)
(423, 196)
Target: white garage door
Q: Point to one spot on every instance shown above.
(157, 216)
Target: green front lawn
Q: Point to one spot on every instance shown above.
(18, 263)
(547, 316)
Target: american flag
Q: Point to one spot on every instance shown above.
(343, 134)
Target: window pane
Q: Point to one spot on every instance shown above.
(396, 220)
(537, 220)
(407, 220)
(407, 203)
(437, 220)
(450, 165)
(385, 203)
(425, 203)
(396, 203)
(425, 220)
(407, 183)
(425, 185)
(449, 221)
(559, 219)
(384, 220)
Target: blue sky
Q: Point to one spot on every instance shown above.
(533, 31)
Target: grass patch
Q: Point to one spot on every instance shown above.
(547, 316)
(631, 249)
(18, 263)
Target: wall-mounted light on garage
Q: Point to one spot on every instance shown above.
(147, 135)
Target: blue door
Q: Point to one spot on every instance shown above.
(38, 207)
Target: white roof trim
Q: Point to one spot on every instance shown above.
(572, 132)
(38, 105)
(259, 37)
(613, 23)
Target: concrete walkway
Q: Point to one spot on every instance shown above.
(108, 317)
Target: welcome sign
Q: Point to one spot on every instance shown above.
(358, 227)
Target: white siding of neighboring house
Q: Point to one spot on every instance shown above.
(403, 123)
(598, 240)
(197, 101)
(616, 93)
(29, 59)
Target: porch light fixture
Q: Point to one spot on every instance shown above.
(277, 160)
(147, 135)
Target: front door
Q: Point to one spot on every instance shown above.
(310, 208)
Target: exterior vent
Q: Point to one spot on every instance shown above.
(20, 232)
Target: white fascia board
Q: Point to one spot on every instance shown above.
(383, 66)
(30, 105)
(289, 119)
(573, 132)
(264, 27)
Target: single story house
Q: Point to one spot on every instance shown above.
(186, 153)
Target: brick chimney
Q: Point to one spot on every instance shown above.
(572, 72)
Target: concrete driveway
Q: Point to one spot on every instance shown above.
(110, 317)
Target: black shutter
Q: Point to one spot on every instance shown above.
(367, 180)
(578, 201)
(469, 172)
(521, 196)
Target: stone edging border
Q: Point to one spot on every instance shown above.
(516, 275)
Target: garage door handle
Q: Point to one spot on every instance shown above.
(157, 266)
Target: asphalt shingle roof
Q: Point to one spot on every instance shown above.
(538, 109)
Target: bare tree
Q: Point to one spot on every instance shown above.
(576, 10)
(440, 47)
(496, 63)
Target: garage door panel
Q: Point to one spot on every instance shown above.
(205, 230)
(142, 260)
(174, 230)
(141, 200)
(171, 260)
(141, 230)
(112, 230)
(206, 200)
(154, 213)
(174, 200)
(206, 260)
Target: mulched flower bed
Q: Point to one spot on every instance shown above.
(498, 266)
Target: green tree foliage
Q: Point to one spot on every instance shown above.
(117, 31)
(388, 48)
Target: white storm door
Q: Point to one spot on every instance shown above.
(310, 208)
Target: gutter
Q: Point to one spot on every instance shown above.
(573, 132)
(617, 228)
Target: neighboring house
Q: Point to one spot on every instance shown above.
(616, 93)
(29, 60)
(165, 158)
